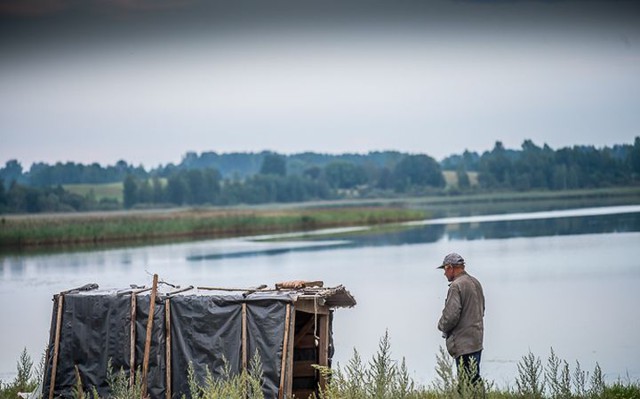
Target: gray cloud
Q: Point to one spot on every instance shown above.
(101, 81)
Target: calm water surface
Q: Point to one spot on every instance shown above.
(567, 280)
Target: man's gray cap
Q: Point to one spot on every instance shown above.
(452, 259)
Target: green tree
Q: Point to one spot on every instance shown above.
(158, 190)
(634, 158)
(344, 175)
(3, 196)
(384, 180)
(145, 192)
(274, 164)
(560, 178)
(418, 171)
(463, 178)
(533, 167)
(211, 180)
(130, 191)
(495, 168)
(196, 194)
(177, 189)
(313, 172)
(11, 172)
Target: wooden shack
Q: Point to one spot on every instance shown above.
(206, 328)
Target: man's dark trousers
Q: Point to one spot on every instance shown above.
(470, 363)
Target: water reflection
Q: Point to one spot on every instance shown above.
(545, 227)
(409, 234)
(266, 249)
(618, 223)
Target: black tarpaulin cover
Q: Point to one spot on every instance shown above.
(205, 329)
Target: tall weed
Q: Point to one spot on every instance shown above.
(379, 378)
(244, 385)
(25, 380)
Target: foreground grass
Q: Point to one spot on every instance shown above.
(379, 378)
(385, 378)
(106, 227)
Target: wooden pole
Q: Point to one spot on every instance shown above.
(285, 347)
(291, 347)
(147, 342)
(56, 346)
(244, 336)
(167, 313)
(132, 341)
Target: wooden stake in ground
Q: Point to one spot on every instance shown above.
(56, 346)
(132, 341)
(244, 336)
(147, 342)
(285, 347)
(167, 315)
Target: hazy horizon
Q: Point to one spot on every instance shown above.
(148, 81)
(27, 166)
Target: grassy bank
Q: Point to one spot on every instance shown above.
(112, 227)
(149, 226)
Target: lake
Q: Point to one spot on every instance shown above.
(567, 280)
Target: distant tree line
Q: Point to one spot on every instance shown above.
(535, 168)
(252, 178)
(18, 198)
(45, 175)
(272, 183)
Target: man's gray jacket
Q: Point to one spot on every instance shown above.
(461, 321)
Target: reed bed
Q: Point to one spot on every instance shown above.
(69, 229)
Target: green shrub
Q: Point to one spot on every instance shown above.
(381, 378)
(620, 390)
(25, 380)
(244, 385)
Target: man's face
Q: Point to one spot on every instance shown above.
(448, 272)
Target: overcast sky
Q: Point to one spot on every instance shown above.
(147, 81)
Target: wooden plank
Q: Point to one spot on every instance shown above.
(308, 306)
(132, 341)
(147, 342)
(167, 320)
(285, 347)
(323, 355)
(132, 291)
(56, 346)
(180, 290)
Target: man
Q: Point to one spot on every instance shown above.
(461, 322)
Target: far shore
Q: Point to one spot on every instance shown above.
(147, 226)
